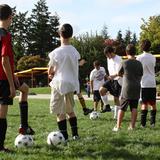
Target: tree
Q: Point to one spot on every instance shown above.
(19, 33)
(128, 37)
(104, 32)
(27, 62)
(151, 30)
(119, 37)
(134, 39)
(90, 47)
(43, 30)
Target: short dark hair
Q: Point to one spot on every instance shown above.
(108, 49)
(145, 45)
(5, 11)
(131, 49)
(96, 63)
(66, 31)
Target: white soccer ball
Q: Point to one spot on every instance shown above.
(55, 138)
(23, 141)
(94, 115)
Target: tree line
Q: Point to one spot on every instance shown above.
(35, 35)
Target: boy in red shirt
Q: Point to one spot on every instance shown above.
(8, 82)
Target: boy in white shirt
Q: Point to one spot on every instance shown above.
(97, 76)
(114, 82)
(148, 84)
(63, 70)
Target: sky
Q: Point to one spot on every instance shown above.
(91, 15)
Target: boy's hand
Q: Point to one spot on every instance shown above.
(12, 92)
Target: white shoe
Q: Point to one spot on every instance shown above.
(115, 129)
(130, 128)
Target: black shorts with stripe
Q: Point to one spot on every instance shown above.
(113, 87)
(4, 93)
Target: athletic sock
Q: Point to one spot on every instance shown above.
(82, 102)
(24, 113)
(105, 99)
(143, 117)
(73, 124)
(62, 125)
(3, 129)
(153, 117)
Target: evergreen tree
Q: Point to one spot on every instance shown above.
(119, 37)
(41, 33)
(134, 39)
(128, 37)
(18, 30)
(104, 32)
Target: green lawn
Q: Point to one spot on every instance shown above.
(97, 140)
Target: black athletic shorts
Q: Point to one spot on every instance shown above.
(96, 96)
(113, 87)
(4, 93)
(148, 95)
(124, 103)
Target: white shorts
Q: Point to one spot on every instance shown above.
(61, 104)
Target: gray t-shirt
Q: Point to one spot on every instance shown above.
(132, 73)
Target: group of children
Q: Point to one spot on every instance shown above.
(128, 81)
(63, 70)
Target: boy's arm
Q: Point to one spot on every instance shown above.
(51, 72)
(91, 83)
(8, 71)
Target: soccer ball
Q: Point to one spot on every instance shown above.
(55, 138)
(94, 115)
(23, 141)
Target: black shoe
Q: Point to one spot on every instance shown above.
(28, 130)
(86, 111)
(107, 108)
(5, 150)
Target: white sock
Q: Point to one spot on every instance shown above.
(105, 99)
(116, 108)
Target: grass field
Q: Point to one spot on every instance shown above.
(97, 141)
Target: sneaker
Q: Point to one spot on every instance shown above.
(130, 128)
(86, 111)
(6, 150)
(106, 109)
(28, 130)
(75, 137)
(153, 125)
(115, 129)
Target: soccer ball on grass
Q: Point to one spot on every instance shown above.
(23, 141)
(94, 115)
(55, 138)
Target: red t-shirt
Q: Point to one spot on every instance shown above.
(6, 50)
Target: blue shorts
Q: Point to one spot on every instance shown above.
(4, 93)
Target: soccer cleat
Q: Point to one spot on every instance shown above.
(6, 150)
(106, 109)
(115, 129)
(75, 137)
(26, 130)
(86, 111)
(130, 128)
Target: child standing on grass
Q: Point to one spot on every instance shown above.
(148, 84)
(113, 82)
(132, 72)
(8, 82)
(63, 70)
(97, 77)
